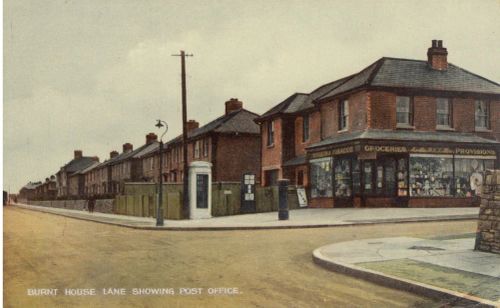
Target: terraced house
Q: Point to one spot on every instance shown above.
(399, 133)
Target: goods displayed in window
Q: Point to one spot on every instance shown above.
(343, 177)
(431, 176)
(356, 176)
(402, 178)
(469, 175)
(321, 178)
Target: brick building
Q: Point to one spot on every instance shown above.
(78, 163)
(28, 191)
(231, 143)
(399, 133)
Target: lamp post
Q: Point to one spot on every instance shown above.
(159, 214)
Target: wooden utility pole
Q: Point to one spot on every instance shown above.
(185, 196)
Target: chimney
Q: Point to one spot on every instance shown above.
(437, 56)
(192, 124)
(233, 104)
(113, 154)
(151, 137)
(127, 147)
(95, 158)
(78, 154)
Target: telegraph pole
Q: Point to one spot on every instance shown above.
(185, 197)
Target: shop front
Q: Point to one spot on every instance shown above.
(369, 173)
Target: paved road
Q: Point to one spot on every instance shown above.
(270, 268)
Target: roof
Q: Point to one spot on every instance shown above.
(404, 135)
(85, 170)
(32, 185)
(296, 161)
(76, 165)
(299, 102)
(239, 121)
(415, 74)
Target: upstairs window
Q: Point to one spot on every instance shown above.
(404, 108)
(305, 128)
(197, 149)
(443, 112)
(205, 147)
(343, 114)
(270, 133)
(482, 114)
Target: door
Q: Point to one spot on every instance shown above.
(202, 191)
(343, 182)
(248, 193)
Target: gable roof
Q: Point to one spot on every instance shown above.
(76, 165)
(239, 121)
(415, 74)
(87, 169)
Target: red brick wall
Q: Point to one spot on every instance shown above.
(463, 114)
(271, 155)
(358, 111)
(314, 132)
(329, 119)
(495, 119)
(321, 202)
(235, 156)
(382, 106)
(424, 116)
(442, 202)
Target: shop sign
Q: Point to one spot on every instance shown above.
(428, 150)
(338, 151)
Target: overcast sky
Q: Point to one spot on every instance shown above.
(93, 75)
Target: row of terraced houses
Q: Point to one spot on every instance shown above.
(398, 133)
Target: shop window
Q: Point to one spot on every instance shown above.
(482, 115)
(390, 177)
(356, 177)
(431, 176)
(379, 179)
(469, 173)
(305, 128)
(343, 180)
(443, 112)
(402, 178)
(321, 178)
(343, 114)
(270, 133)
(404, 110)
(368, 176)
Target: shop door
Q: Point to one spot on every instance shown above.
(248, 193)
(343, 189)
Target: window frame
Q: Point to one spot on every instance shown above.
(196, 149)
(205, 147)
(449, 116)
(486, 116)
(410, 113)
(305, 127)
(343, 115)
(270, 133)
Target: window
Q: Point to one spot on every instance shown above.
(270, 133)
(443, 112)
(431, 176)
(321, 178)
(343, 114)
(469, 174)
(343, 179)
(482, 114)
(305, 128)
(197, 149)
(404, 108)
(205, 147)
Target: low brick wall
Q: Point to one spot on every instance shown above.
(488, 229)
(102, 205)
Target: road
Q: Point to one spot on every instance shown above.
(270, 268)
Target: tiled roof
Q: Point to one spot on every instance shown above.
(89, 168)
(76, 165)
(296, 161)
(416, 74)
(239, 121)
(404, 135)
(32, 185)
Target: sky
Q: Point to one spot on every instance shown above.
(93, 75)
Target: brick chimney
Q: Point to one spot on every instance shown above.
(437, 56)
(127, 147)
(233, 104)
(95, 158)
(192, 124)
(78, 154)
(113, 154)
(151, 137)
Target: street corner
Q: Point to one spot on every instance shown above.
(441, 268)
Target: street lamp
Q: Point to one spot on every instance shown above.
(159, 213)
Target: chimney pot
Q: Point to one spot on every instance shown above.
(127, 147)
(437, 56)
(233, 104)
(95, 158)
(151, 137)
(440, 44)
(113, 154)
(191, 125)
(434, 43)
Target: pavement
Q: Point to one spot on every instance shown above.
(301, 218)
(439, 268)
